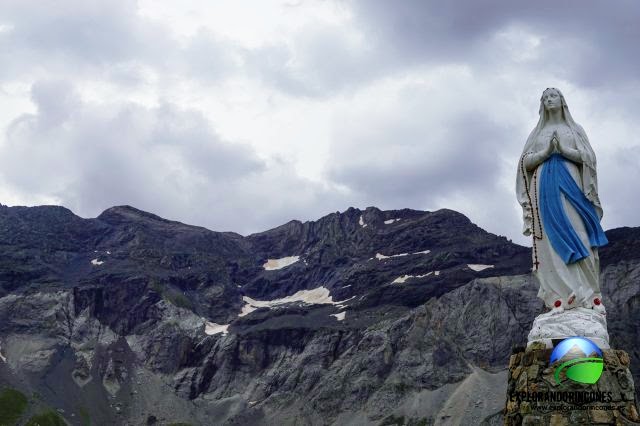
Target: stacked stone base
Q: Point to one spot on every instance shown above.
(534, 397)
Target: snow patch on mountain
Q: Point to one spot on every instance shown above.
(316, 296)
(478, 267)
(340, 316)
(273, 264)
(381, 256)
(212, 328)
(404, 278)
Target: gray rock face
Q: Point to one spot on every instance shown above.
(124, 341)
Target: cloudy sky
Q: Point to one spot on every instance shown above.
(242, 115)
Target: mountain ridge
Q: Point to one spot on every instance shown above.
(140, 317)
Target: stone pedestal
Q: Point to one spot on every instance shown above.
(535, 398)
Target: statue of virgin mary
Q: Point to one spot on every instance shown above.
(558, 191)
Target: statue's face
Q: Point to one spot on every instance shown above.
(551, 99)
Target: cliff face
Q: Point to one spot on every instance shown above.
(360, 317)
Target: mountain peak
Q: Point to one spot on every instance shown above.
(129, 213)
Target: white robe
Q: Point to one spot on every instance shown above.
(558, 280)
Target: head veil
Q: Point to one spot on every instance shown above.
(587, 169)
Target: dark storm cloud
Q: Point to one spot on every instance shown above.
(412, 164)
(128, 139)
(590, 43)
(617, 180)
(162, 159)
(94, 33)
(98, 39)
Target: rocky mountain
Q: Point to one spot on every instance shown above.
(361, 317)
